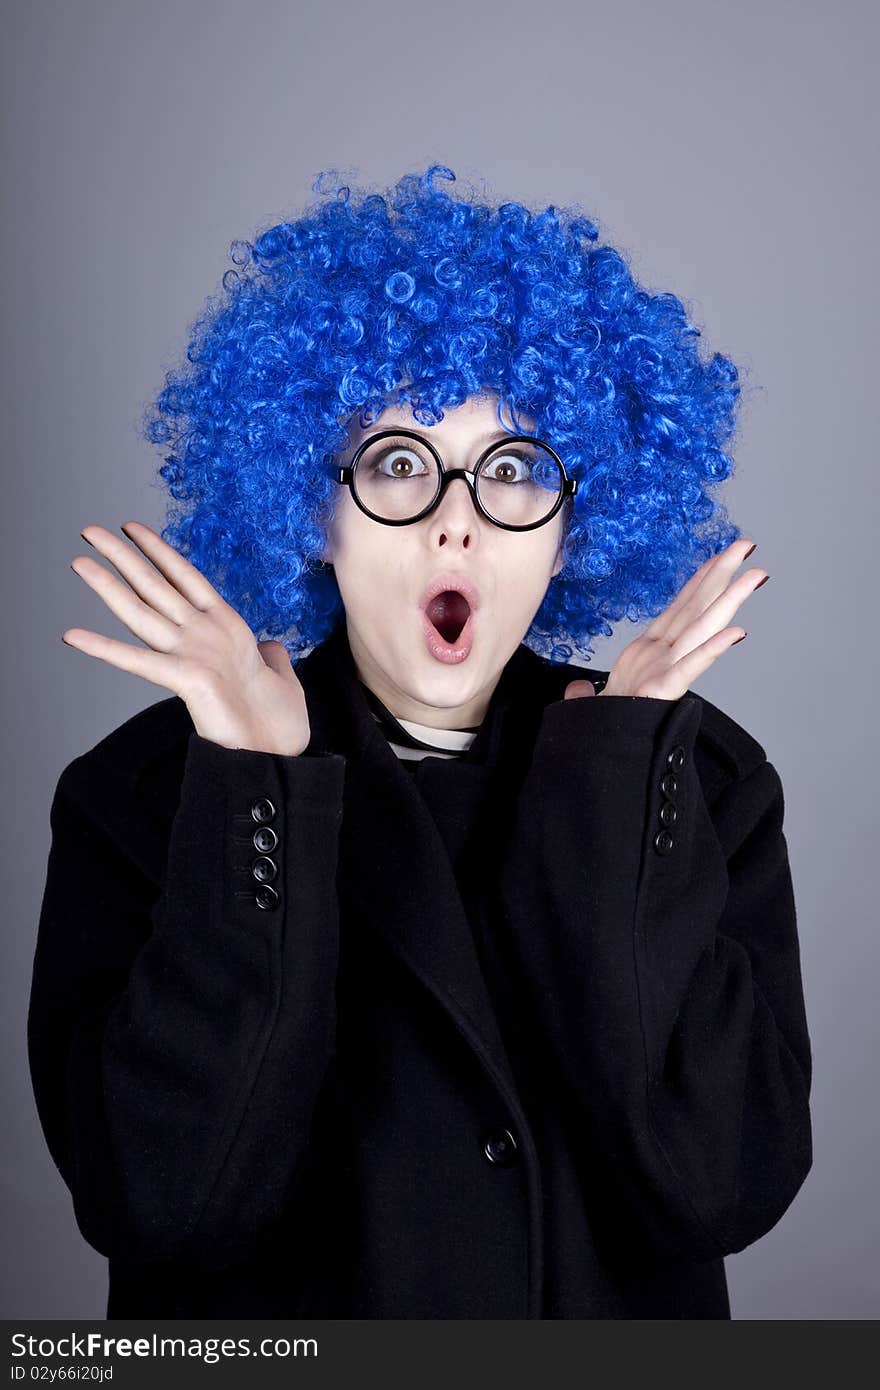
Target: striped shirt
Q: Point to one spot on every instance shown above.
(412, 741)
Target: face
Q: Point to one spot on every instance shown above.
(383, 573)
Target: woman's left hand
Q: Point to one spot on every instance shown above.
(684, 640)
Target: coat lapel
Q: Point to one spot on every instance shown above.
(408, 892)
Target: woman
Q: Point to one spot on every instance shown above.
(413, 977)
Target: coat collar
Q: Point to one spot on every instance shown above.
(342, 722)
(409, 893)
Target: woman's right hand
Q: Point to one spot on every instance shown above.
(240, 693)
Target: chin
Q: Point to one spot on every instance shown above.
(441, 687)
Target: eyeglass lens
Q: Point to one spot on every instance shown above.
(518, 484)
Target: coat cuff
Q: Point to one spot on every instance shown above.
(261, 792)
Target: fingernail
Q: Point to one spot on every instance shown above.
(762, 581)
(748, 552)
(739, 639)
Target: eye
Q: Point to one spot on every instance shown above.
(393, 459)
(509, 467)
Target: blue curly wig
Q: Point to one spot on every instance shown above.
(415, 296)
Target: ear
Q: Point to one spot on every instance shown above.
(561, 557)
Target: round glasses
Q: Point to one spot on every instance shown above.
(397, 477)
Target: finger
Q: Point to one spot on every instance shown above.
(691, 666)
(275, 656)
(656, 628)
(177, 569)
(141, 574)
(703, 586)
(158, 632)
(152, 666)
(714, 587)
(695, 597)
(577, 690)
(718, 614)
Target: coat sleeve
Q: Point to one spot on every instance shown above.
(178, 1033)
(659, 948)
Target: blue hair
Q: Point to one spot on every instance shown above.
(419, 297)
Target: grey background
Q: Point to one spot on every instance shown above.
(729, 149)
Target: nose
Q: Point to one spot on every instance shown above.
(455, 513)
(459, 484)
(463, 494)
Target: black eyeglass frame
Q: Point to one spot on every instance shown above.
(345, 476)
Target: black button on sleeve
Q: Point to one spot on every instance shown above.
(261, 809)
(264, 869)
(265, 839)
(663, 842)
(500, 1147)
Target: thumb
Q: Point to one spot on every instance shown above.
(275, 656)
(576, 690)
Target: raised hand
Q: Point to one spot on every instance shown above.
(684, 640)
(240, 693)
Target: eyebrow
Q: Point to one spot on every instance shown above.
(493, 438)
(497, 436)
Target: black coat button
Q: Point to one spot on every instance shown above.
(266, 897)
(676, 758)
(500, 1147)
(263, 810)
(264, 869)
(669, 784)
(265, 839)
(663, 842)
(667, 814)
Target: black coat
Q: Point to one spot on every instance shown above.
(550, 1061)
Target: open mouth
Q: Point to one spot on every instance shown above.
(448, 612)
